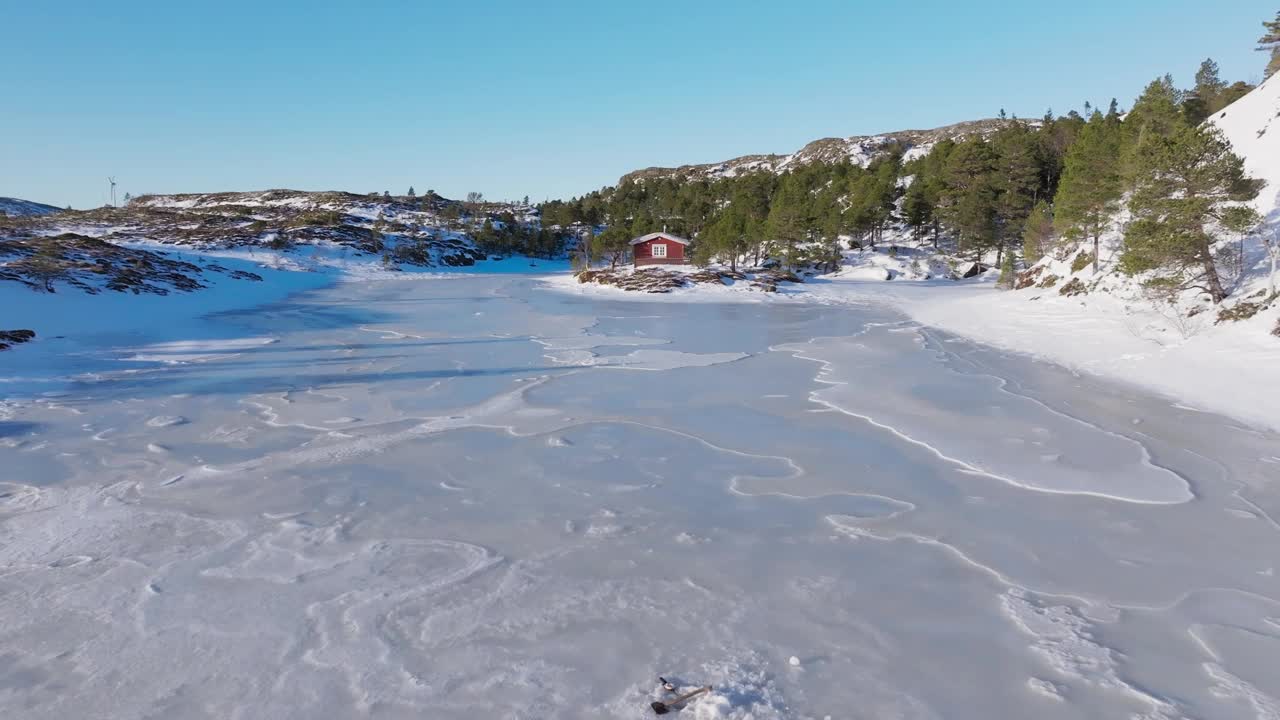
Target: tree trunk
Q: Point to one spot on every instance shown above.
(1096, 244)
(1216, 293)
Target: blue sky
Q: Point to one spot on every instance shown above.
(542, 99)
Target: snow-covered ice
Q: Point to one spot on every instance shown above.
(446, 499)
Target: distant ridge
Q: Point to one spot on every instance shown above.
(858, 149)
(13, 207)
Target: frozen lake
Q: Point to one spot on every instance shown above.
(477, 498)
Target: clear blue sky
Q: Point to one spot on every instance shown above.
(547, 99)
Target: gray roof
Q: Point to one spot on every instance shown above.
(655, 236)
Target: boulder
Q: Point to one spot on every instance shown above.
(1242, 310)
(9, 338)
(1028, 277)
(1073, 288)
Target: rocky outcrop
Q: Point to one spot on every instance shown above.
(1073, 288)
(658, 280)
(9, 338)
(1027, 278)
(93, 266)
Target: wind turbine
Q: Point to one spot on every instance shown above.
(112, 180)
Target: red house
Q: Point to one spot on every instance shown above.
(660, 248)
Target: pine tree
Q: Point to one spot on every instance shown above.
(1195, 109)
(1018, 182)
(726, 238)
(1234, 92)
(1038, 235)
(47, 264)
(1156, 114)
(968, 203)
(1007, 273)
(751, 195)
(613, 244)
(1208, 83)
(1186, 184)
(1207, 95)
(1270, 43)
(411, 193)
(1092, 183)
(1055, 137)
(789, 218)
(918, 207)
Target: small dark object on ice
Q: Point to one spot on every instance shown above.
(662, 708)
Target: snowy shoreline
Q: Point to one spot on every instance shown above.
(1223, 369)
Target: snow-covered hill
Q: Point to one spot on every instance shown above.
(13, 207)
(1252, 124)
(859, 149)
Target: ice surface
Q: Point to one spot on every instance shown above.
(444, 499)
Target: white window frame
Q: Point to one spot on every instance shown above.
(659, 250)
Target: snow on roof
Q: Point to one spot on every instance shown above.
(655, 236)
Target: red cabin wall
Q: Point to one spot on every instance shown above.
(643, 253)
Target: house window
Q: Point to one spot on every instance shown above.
(659, 250)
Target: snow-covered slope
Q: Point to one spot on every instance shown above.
(13, 207)
(1252, 124)
(859, 149)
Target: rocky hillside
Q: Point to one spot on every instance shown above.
(13, 207)
(92, 265)
(859, 149)
(424, 231)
